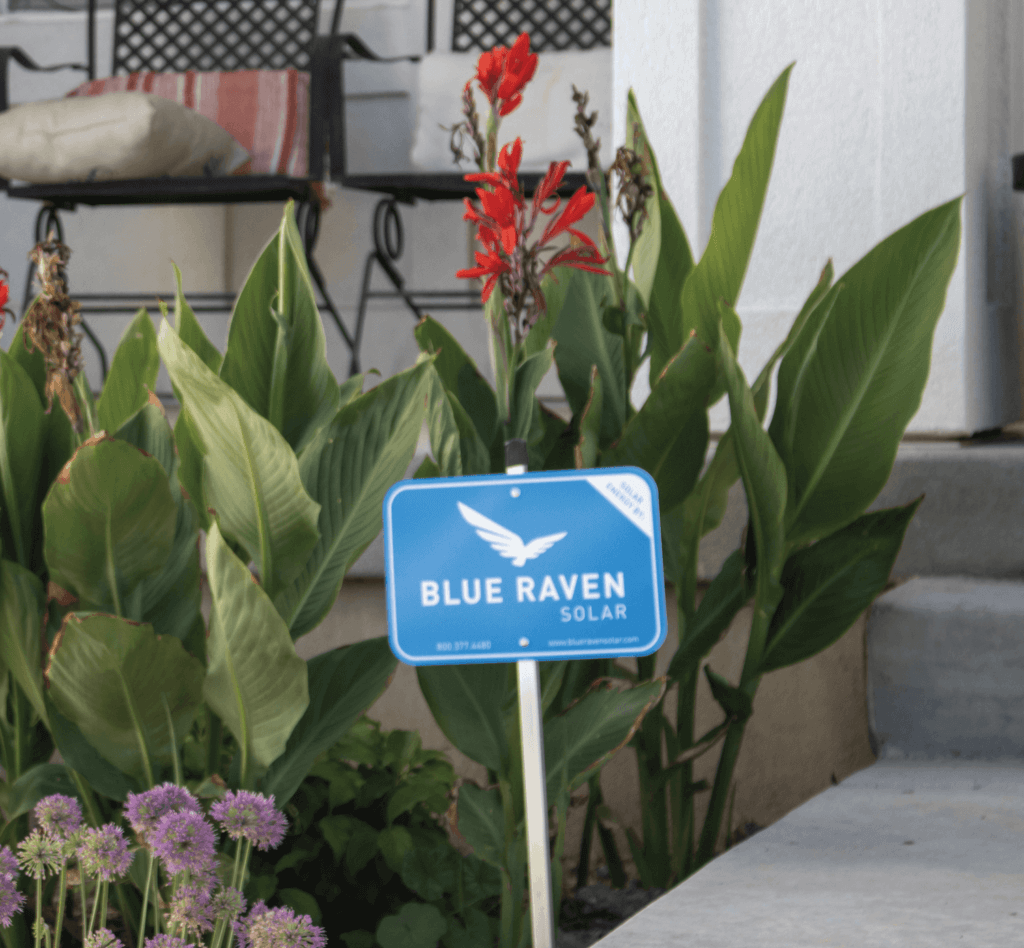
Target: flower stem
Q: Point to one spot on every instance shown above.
(39, 909)
(95, 906)
(103, 904)
(63, 897)
(145, 898)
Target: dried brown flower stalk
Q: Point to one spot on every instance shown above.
(50, 326)
(584, 123)
(634, 173)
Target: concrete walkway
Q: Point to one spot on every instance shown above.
(904, 853)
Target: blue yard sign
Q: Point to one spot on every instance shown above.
(547, 565)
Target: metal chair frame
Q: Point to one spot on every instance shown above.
(476, 25)
(179, 35)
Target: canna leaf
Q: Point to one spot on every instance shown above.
(132, 375)
(586, 450)
(255, 683)
(528, 376)
(481, 822)
(22, 604)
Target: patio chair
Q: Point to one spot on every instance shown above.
(578, 31)
(201, 53)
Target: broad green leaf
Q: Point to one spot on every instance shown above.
(22, 430)
(255, 683)
(132, 375)
(527, 377)
(30, 359)
(276, 352)
(863, 381)
(343, 683)
(250, 474)
(664, 313)
(351, 388)
(764, 482)
(394, 842)
(553, 449)
(415, 926)
(428, 468)
(584, 738)
(190, 466)
(467, 702)
(481, 822)
(149, 431)
(22, 602)
(429, 868)
(34, 784)
(668, 436)
(553, 288)
(830, 583)
(728, 593)
(583, 342)
(83, 758)
(719, 274)
(735, 702)
(347, 468)
(109, 522)
(454, 439)
(189, 331)
(460, 376)
(301, 903)
(587, 447)
(111, 678)
(480, 929)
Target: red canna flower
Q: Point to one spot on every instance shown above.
(488, 264)
(5, 293)
(501, 74)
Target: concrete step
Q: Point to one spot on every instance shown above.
(907, 854)
(945, 663)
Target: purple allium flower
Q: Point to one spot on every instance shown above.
(102, 938)
(278, 928)
(251, 816)
(11, 900)
(144, 810)
(8, 862)
(185, 841)
(59, 815)
(167, 941)
(227, 904)
(104, 852)
(39, 853)
(190, 908)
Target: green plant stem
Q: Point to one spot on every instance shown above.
(683, 810)
(39, 910)
(654, 813)
(145, 895)
(719, 792)
(104, 886)
(95, 906)
(589, 822)
(61, 899)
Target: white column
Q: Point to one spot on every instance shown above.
(894, 107)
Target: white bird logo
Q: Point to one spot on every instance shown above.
(510, 545)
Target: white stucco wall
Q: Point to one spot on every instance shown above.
(894, 107)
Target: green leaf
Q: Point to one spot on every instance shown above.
(255, 683)
(553, 289)
(276, 352)
(481, 822)
(83, 758)
(343, 683)
(857, 380)
(190, 466)
(109, 522)
(429, 867)
(394, 842)
(22, 429)
(830, 583)
(414, 792)
(587, 447)
(764, 482)
(427, 468)
(719, 274)
(302, 903)
(727, 594)
(460, 376)
(110, 677)
(647, 250)
(415, 926)
(467, 702)
(149, 431)
(664, 313)
(584, 738)
(453, 437)
(337, 830)
(583, 342)
(528, 376)
(34, 784)
(480, 929)
(735, 702)
(668, 436)
(362, 846)
(347, 467)
(22, 603)
(250, 474)
(190, 332)
(132, 375)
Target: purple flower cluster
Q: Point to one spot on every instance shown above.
(59, 815)
(186, 842)
(250, 816)
(11, 900)
(167, 941)
(276, 928)
(144, 810)
(102, 938)
(103, 852)
(191, 909)
(39, 854)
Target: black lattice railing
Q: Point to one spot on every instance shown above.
(209, 35)
(552, 24)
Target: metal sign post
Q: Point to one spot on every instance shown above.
(535, 789)
(535, 567)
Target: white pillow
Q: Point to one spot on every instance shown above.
(544, 120)
(112, 137)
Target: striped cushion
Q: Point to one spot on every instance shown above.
(265, 111)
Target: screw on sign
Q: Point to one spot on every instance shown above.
(546, 566)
